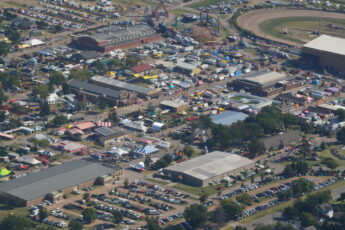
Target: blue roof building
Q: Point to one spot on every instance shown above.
(228, 117)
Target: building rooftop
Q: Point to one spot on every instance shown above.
(105, 131)
(228, 117)
(327, 44)
(116, 34)
(141, 68)
(124, 85)
(95, 89)
(173, 104)
(211, 165)
(265, 78)
(56, 178)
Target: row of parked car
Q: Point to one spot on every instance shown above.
(126, 213)
(58, 213)
(249, 187)
(171, 218)
(60, 224)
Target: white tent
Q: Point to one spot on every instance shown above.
(33, 42)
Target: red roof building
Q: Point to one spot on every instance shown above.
(141, 68)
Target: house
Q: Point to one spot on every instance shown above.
(325, 210)
(84, 55)
(174, 106)
(53, 98)
(142, 69)
(105, 135)
(71, 147)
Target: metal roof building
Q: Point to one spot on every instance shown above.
(36, 186)
(326, 52)
(121, 85)
(265, 78)
(214, 166)
(228, 117)
(325, 43)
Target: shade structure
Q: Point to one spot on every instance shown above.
(4, 172)
(146, 150)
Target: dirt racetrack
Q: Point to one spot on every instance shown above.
(251, 20)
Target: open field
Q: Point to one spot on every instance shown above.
(18, 3)
(301, 29)
(209, 190)
(203, 3)
(271, 23)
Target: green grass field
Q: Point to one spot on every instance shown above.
(327, 154)
(203, 3)
(301, 29)
(209, 190)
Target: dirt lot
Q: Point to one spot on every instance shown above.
(252, 20)
(18, 3)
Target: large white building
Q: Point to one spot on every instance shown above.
(214, 166)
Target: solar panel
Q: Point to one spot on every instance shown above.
(105, 131)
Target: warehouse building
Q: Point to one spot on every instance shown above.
(52, 183)
(327, 52)
(214, 166)
(264, 83)
(121, 85)
(174, 106)
(228, 117)
(111, 38)
(87, 92)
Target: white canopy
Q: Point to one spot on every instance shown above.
(34, 42)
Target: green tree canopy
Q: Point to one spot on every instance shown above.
(75, 225)
(15, 222)
(89, 215)
(195, 215)
(232, 209)
(81, 74)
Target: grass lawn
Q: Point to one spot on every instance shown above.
(5, 210)
(157, 181)
(327, 154)
(203, 3)
(227, 228)
(209, 190)
(181, 11)
(300, 29)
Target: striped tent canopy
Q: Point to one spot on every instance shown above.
(104, 124)
(146, 150)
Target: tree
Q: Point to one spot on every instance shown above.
(188, 150)
(57, 78)
(2, 115)
(66, 89)
(256, 148)
(18, 108)
(307, 128)
(75, 225)
(341, 135)
(218, 216)
(131, 61)
(89, 215)
(323, 145)
(42, 25)
(14, 222)
(44, 109)
(13, 35)
(3, 97)
(148, 161)
(307, 219)
(285, 195)
(240, 228)
(81, 74)
(203, 196)
(290, 213)
(115, 63)
(112, 116)
(40, 143)
(301, 186)
(43, 213)
(195, 215)
(41, 90)
(126, 183)
(244, 199)
(340, 113)
(204, 122)
(330, 163)
(152, 224)
(86, 196)
(4, 49)
(117, 216)
(59, 120)
(232, 209)
(101, 67)
(342, 197)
